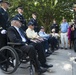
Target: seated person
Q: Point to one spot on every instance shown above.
(51, 40)
(34, 36)
(56, 35)
(16, 35)
(43, 34)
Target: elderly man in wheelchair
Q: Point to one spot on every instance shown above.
(12, 54)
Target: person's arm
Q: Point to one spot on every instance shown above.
(43, 35)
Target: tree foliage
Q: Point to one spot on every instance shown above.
(46, 10)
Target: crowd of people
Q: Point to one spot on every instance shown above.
(17, 33)
(35, 41)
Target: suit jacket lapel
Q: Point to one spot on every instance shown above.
(17, 34)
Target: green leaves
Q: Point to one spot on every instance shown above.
(46, 10)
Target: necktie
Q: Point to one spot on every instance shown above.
(22, 35)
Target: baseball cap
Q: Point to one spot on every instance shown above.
(30, 23)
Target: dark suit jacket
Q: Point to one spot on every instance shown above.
(14, 36)
(3, 18)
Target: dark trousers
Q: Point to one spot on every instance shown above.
(41, 52)
(53, 41)
(30, 50)
(3, 40)
(46, 44)
(71, 42)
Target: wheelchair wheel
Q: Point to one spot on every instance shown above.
(10, 61)
(75, 45)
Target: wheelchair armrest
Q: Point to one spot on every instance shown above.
(11, 43)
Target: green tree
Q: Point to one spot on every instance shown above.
(46, 10)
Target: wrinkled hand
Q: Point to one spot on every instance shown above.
(40, 38)
(3, 31)
(34, 41)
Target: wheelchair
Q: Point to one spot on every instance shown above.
(11, 58)
(57, 42)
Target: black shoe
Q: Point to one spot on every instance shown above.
(61, 47)
(75, 60)
(52, 50)
(47, 54)
(75, 51)
(65, 48)
(41, 70)
(70, 47)
(46, 66)
(57, 48)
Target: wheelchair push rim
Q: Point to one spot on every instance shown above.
(10, 61)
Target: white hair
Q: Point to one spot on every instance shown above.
(13, 22)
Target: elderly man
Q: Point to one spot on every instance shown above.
(38, 40)
(34, 35)
(17, 35)
(51, 40)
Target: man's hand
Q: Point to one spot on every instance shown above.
(40, 38)
(34, 41)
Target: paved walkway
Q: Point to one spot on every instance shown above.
(63, 61)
